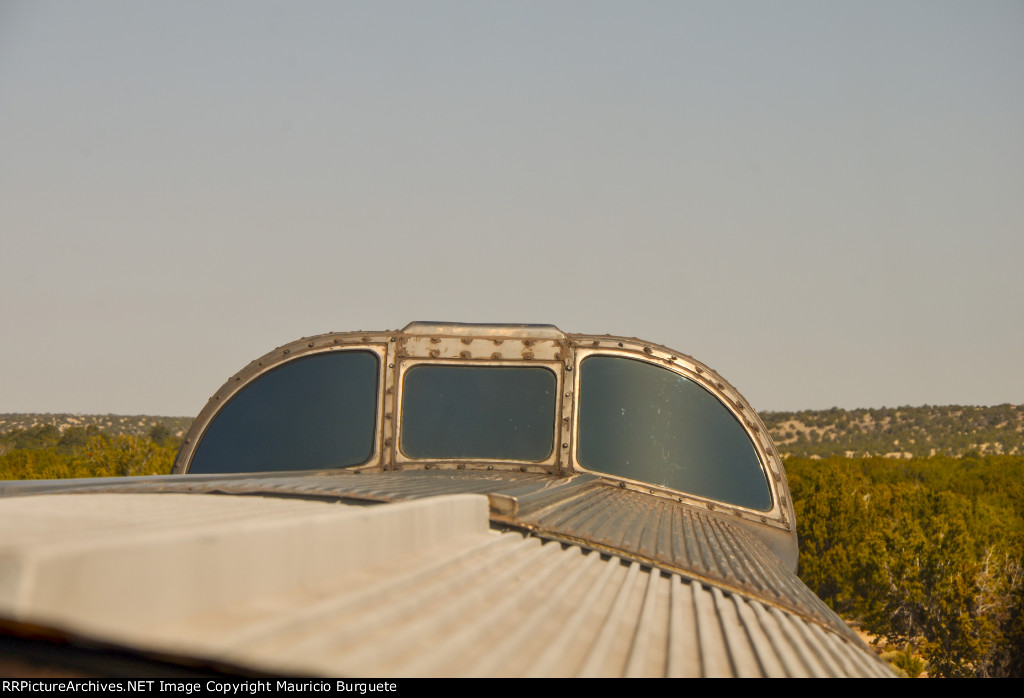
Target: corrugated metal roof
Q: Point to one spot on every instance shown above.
(575, 613)
(420, 588)
(676, 537)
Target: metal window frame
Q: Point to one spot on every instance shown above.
(547, 464)
(780, 515)
(511, 345)
(278, 358)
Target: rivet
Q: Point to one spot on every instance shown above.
(622, 485)
(621, 344)
(434, 353)
(238, 378)
(699, 369)
(188, 441)
(711, 506)
(387, 441)
(490, 467)
(391, 365)
(435, 340)
(568, 394)
(568, 367)
(595, 343)
(465, 355)
(496, 355)
(565, 445)
(310, 344)
(461, 466)
(287, 351)
(387, 416)
(764, 519)
(260, 363)
(647, 350)
(651, 491)
(337, 341)
(527, 354)
(467, 340)
(522, 469)
(392, 339)
(427, 466)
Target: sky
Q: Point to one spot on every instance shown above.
(824, 201)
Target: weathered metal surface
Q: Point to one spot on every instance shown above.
(673, 536)
(437, 606)
(532, 344)
(119, 563)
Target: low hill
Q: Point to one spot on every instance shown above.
(899, 432)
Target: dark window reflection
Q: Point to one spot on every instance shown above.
(491, 412)
(650, 424)
(314, 412)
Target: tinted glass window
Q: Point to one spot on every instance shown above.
(499, 412)
(314, 412)
(647, 423)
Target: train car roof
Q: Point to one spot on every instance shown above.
(430, 552)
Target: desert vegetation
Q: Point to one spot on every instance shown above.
(46, 452)
(927, 554)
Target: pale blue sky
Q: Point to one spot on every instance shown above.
(822, 200)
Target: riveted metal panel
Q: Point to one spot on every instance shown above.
(546, 345)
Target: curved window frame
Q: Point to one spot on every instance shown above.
(583, 354)
(557, 371)
(268, 364)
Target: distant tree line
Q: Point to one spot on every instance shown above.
(110, 424)
(44, 452)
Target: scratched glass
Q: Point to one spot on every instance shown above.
(647, 423)
(314, 412)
